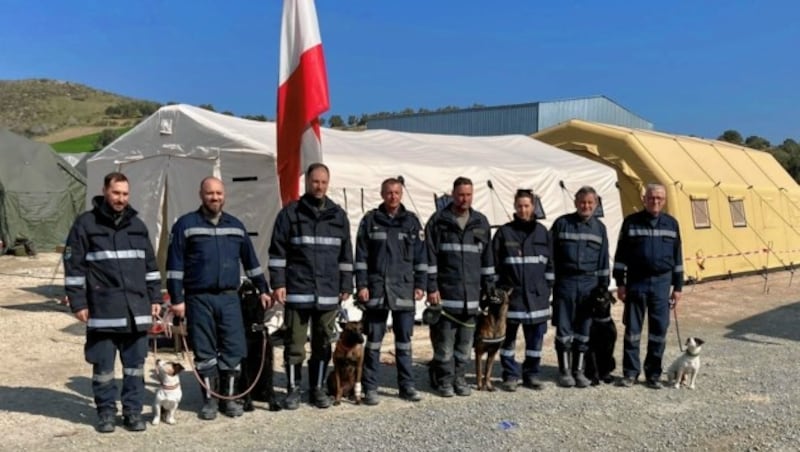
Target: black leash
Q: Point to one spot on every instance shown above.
(677, 327)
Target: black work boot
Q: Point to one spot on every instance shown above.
(316, 377)
(134, 423)
(209, 410)
(292, 400)
(565, 379)
(228, 383)
(106, 422)
(578, 366)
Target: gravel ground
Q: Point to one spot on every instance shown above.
(745, 397)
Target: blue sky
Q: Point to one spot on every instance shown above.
(690, 67)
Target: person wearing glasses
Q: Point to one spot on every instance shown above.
(647, 263)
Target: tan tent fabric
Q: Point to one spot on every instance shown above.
(739, 210)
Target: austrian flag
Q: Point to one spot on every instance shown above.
(302, 94)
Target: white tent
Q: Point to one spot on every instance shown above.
(168, 154)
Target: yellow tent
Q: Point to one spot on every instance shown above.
(739, 210)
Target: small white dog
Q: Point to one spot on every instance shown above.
(169, 393)
(685, 367)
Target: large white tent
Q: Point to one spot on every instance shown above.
(168, 154)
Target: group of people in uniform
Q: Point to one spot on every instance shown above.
(454, 263)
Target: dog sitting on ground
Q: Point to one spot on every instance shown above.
(255, 330)
(348, 363)
(169, 393)
(683, 371)
(490, 332)
(600, 360)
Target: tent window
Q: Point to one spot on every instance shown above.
(245, 179)
(737, 213)
(700, 215)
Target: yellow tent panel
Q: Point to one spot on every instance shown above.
(739, 210)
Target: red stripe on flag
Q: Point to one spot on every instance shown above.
(301, 99)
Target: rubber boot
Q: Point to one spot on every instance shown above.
(292, 400)
(229, 383)
(565, 379)
(317, 369)
(209, 410)
(578, 366)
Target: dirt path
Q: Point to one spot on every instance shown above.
(45, 395)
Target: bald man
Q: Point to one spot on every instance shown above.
(205, 249)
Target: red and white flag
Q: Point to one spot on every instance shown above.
(302, 94)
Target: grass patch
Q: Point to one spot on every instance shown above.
(85, 143)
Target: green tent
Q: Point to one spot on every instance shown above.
(40, 193)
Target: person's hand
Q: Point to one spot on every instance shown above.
(363, 295)
(674, 298)
(434, 298)
(82, 315)
(418, 294)
(279, 295)
(155, 310)
(178, 309)
(266, 301)
(621, 293)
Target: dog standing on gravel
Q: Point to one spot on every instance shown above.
(490, 331)
(602, 337)
(169, 394)
(348, 364)
(255, 331)
(685, 367)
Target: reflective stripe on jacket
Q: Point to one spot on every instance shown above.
(110, 269)
(311, 254)
(391, 259)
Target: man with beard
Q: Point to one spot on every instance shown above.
(460, 267)
(205, 249)
(114, 287)
(311, 271)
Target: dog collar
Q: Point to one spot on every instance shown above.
(493, 340)
(170, 387)
(602, 320)
(691, 354)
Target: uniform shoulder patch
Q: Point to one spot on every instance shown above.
(67, 253)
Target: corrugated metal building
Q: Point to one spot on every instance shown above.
(523, 119)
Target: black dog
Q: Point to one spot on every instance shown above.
(255, 334)
(602, 337)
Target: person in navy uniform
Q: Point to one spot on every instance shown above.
(460, 269)
(311, 271)
(523, 261)
(205, 250)
(114, 287)
(391, 274)
(581, 260)
(647, 263)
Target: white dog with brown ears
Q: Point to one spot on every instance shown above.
(169, 393)
(685, 367)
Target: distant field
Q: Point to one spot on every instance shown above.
(84, 143)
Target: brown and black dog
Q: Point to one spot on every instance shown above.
(348, 363)
(490, 331)
(255, 332)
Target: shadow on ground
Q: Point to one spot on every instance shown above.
(779, 323)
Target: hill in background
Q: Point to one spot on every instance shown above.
(51, 110)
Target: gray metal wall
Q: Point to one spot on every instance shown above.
(595, 109)
(513, 119)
